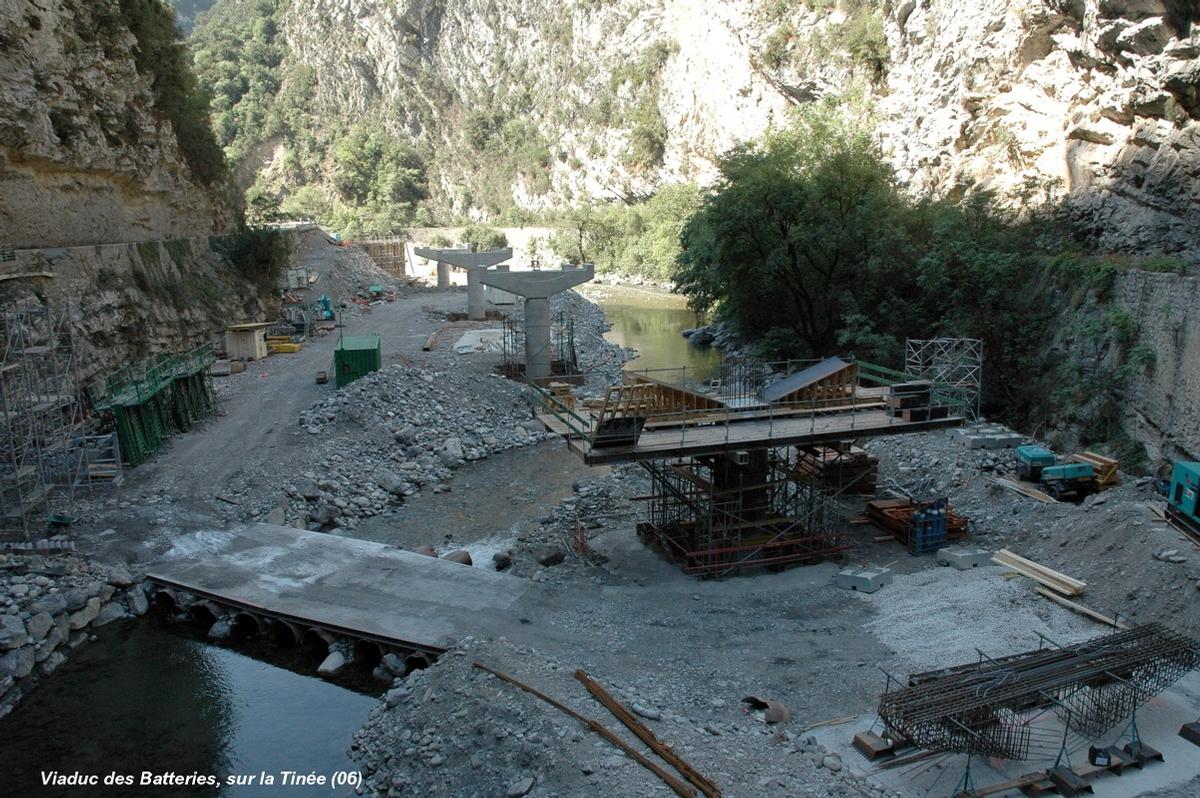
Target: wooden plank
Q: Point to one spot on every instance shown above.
(1082, 610)
(1059, 582)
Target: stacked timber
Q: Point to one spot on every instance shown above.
(912, 401)
(853, 471)
(1058, 582)
(895, 516)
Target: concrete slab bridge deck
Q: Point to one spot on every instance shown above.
(346, 587)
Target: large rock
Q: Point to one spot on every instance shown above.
(138, 603)
(109, 613)
(89, 613)
(460, 556)
(391, 483)
(451, 452)
(332, 665)
(39, 625)
(51, 603)
(12, 632)
(18, 663)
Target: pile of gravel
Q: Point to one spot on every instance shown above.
(391, 433)
(454, 730)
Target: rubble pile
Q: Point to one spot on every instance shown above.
(49, 606)
(453, 729)
(1112, 540)
(599, 359)
(390, 433)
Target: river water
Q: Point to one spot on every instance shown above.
(150, 696)
(652, 322)
(146, 697)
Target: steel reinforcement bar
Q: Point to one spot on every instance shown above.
(983, 709)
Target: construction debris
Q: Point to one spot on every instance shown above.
(665, 751)
(1082, 610)
(772, 711)
(671, 781)
(1060, 583)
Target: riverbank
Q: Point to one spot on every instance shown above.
(49, 607)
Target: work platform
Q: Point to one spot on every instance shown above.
(344, 586)
(746, 433)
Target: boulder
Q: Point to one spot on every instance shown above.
(39, 625)
(428, 551)
(550, 556)
(89, 613)
(221, 630)
(501, 560)
(12, 632)
(332, 665)
(17, 664)
(451, 452)
(109, 613)
(461, 556)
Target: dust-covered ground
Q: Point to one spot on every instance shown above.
(436, 450)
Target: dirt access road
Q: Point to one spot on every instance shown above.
(248, 447)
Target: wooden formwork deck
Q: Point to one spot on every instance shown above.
(715, 438)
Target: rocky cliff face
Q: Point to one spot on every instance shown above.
(85, 156)
(1095, 99)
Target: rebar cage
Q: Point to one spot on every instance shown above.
(988, 708)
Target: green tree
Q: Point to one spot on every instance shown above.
(161, 54)
(481, 238)
(801, 229)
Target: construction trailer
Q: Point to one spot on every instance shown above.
(247, 342)
(42, 422)
(356, 356)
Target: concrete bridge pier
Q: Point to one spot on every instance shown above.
(475, 264)
(443, 275)
(537, 287)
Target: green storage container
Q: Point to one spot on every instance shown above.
(355, 356)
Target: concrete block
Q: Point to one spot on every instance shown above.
(864, 580)
(964, 557)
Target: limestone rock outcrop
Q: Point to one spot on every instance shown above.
(1095, 101)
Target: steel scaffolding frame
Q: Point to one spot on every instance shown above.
(956, 362)
(41, 421)
(719, 514)
(988, 708)
(563, 361)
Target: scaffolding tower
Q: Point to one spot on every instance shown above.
(42, 451)
(563, 360)
(722, 513)
(954, 362)
(388, 254)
